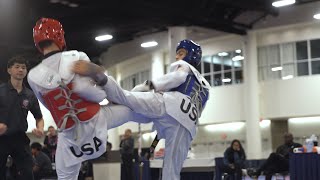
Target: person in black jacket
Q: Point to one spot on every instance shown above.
(277, 161)
(16, 100)
(126, 151)
(50, 143)
(234, 158)
(42, 164)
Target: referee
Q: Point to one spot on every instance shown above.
(15, 102)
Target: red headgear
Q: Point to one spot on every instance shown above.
(49, 29)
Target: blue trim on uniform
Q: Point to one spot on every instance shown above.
(192, 87)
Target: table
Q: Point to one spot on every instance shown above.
(193, 169)
(304, 166)
(188, 163)
(102, 171)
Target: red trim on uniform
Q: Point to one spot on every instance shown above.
(92, 108)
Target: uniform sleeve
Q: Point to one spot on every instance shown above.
(86, 89)
(83, 56)
(172, 79)
(4, 112)
(35, 109)
(35, 90)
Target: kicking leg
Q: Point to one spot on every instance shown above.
(146, 103)
(119, 114)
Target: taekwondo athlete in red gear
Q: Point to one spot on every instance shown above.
(73, 101)
(179, 98)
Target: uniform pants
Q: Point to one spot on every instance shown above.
(127, 167)
(114, 115)
(151, 105)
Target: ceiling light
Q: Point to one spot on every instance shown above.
(103, 37)
(287, 77)
(226, 80)
(64, 2)
(283, 3)
(238, 51)
(54, 1)
(237, 58)
(276, 68)
(304, 120)
(149, 44)
(316, 16)
(73, 5)
(265, 123)
(223, 54)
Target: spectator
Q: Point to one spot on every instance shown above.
(42, 166)
(278, 161)
(105, 155)
(109, 146)
(126, 152)
(50, 142)
(16, 100)
(234, 158)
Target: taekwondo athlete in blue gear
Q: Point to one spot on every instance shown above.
(174, 107)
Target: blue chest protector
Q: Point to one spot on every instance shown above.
(195, 90)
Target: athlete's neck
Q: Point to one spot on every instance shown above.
(50, 49)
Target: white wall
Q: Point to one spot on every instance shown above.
(212, 140)
(225, 104)
(288, 33)
(127, 50)
(220, 44)
(294, 97)
(290, 98)
(304, 127)
(133, 66)
(48, 120)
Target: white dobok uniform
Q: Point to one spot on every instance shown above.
(173, 113)
(73, 102)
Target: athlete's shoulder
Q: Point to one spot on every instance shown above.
(74, 54)
(179, 64)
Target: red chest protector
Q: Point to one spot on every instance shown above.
(67, 108)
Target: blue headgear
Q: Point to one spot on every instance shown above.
(194, 52)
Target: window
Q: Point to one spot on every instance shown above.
(303, 69)
(269, 58)
(302, 58)
(207, 61)
(315, 48)
(286, 60)
(223, 68)
(315, 67)
(130, 82)
(302, 50)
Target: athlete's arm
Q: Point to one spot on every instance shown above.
(172, 79)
